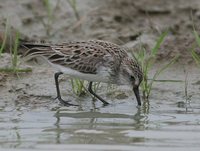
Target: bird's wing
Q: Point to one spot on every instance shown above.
(81, 56)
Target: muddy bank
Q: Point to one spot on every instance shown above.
(128, 23)
(37, 88)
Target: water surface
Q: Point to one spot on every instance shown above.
(120, 126)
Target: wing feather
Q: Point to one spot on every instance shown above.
(84, 56)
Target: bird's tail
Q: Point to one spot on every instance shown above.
(34, 49)
(26, 46)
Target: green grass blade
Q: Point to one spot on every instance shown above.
(158, 72)
(73, 86)
(158, 43)
(197, 37)
(78, 87)
(5, 37)
(196, 57)
(147, 61)
(15, 50)
(15, 70)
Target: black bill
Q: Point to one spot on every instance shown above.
(137, 95)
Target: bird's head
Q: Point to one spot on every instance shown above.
(133, 72)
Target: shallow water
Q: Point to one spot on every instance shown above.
(120, 126)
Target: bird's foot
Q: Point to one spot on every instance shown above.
(65, 103)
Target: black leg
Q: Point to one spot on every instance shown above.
(56, 76)
(94, 94)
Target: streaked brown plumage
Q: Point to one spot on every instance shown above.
(92, 60)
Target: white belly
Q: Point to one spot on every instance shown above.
(102, 74)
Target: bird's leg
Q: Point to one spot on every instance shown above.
(95, 95)
(56, 76)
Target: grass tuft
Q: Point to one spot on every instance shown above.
(147, 61)
(78, 87)
(14, 52)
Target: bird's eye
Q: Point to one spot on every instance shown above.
(132, 78)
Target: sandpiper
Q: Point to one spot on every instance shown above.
(92, 60)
